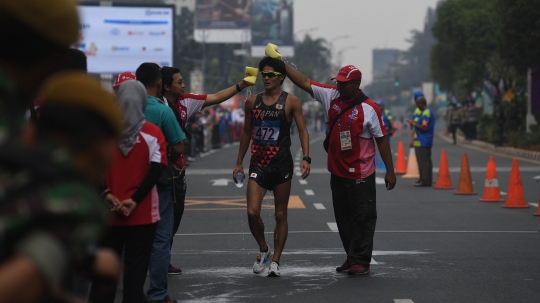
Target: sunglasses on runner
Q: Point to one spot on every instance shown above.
(270, 74)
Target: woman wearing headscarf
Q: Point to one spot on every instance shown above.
(130, 188)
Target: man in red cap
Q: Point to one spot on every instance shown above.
(353, 120)
(121, 78)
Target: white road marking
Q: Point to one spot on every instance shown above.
(321, 251)
(296, 168)
(373, 261)
(333, 226)
(537, 178)
(296, 163)
(309, 192)
(503, 193)
(298, 173)
(316, 170)
(403, 301)
(220, 182)
(379, 180)
(533, 204)
(319, 206)
(303, 182)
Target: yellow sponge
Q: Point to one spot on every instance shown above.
(271, 51)
(252, 78)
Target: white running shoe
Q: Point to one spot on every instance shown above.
(258, 266)
(273, 270)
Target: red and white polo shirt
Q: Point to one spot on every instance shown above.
(187, 105)
(128, 172)
(358, 162)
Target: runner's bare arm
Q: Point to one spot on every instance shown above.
(223, 95)
(246, 136)
(299, 79)
(296, 109)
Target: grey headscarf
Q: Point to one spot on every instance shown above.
(132, 101)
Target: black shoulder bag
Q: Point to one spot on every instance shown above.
(359, 99)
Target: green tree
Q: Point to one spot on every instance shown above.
(520, 21)
(468, 41)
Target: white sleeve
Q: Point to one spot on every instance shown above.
(373, 124)
(193, 103)
(324, 93)
(153, 147)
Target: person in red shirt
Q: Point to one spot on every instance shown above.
(353, 120)
(121, 78)
(184, 105)
(141, 155)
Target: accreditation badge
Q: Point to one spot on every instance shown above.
(345, 139)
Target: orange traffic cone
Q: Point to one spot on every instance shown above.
(412, 166)
(465, 186)
(401, 165)
(538, 211)
(516, 196)
(492, 192)
(443, 179)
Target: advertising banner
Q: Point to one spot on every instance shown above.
(117, 39)
(223, 21)
(272, 22)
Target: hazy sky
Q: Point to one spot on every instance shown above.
(369, 23)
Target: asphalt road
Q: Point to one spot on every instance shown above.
(430, 245)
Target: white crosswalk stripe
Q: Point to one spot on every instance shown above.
(333, 226)
(319, 206)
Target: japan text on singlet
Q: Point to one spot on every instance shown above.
(271, 134)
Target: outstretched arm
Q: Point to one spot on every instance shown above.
(302, 132)
(246, 136)
(223, 95)
(299, 79)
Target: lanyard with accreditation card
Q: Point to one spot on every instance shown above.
(345, 136)
(358, 100)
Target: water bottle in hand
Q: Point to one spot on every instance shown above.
(239, 179)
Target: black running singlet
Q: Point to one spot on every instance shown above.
(271, 134)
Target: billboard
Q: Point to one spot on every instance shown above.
(120, 38)
(383, 60)
(272, 22)
(223, 21)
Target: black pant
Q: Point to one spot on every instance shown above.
(425, 165)
(470, 133)
(136, 242)
(453, 128)
(355, 210)
(180, 188)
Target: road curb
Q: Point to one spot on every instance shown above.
(511, 151)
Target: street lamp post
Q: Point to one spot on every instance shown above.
(306, 30)
(340, 54)
(331, 44)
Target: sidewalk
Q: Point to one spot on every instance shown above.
(505, 150)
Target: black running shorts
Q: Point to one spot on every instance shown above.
(269, 177)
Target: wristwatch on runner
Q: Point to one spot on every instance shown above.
(307, 159)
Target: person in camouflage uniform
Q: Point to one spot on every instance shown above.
(50, 217)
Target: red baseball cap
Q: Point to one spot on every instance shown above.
(348, 73)
(121, 78)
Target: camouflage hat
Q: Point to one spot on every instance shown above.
(56, 20)
(73, 89)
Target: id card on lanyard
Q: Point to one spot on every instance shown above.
(345, 136)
